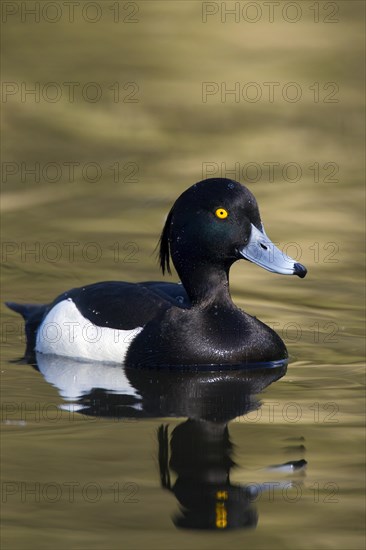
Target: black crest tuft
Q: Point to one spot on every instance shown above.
(164, 246)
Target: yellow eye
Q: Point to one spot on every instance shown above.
(221, 213)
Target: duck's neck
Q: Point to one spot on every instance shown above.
(206, 284)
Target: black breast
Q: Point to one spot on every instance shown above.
(200, 336)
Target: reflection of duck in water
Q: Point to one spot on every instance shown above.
(200, 448)
(201, 458)
(110, 390)
(212, 224)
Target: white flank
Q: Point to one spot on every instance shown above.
(66, 332)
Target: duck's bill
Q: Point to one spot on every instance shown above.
(261, 251)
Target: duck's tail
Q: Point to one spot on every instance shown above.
(26, 310)
(33, 315)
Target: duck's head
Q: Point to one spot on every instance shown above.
(216, 222)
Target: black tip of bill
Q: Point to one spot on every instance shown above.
(300, 270)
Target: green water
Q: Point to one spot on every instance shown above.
(105, 173)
